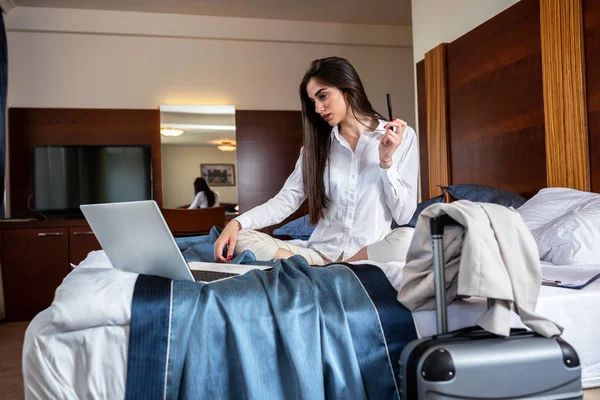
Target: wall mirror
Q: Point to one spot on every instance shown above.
(198, 141)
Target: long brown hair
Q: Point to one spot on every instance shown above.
(339, 73)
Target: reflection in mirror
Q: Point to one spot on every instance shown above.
(198, 141)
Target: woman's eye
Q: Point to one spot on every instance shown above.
(322, 96)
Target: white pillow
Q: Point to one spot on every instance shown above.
(574, 237)
(551, 203)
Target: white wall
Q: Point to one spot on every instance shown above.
(439, 21)
(86, 58)
(181, 165)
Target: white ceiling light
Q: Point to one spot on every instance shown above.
(198, 109)
(171, 131)
(226, 146)
(204, 127)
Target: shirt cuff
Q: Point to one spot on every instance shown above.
(389, 175)
(244, 221)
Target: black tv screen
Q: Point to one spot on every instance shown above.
(67, 176)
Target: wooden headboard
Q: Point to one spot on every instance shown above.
(515, 103)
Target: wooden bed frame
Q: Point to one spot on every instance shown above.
(515, 103)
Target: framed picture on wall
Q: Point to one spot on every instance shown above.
(218, 174)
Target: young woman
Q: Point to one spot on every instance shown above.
(356, 170)
(204, 196)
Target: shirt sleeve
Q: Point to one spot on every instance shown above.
(289, 199)
(400, 180)
(196, 201)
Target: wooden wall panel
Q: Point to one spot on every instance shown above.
(567, 153)
(422, 110)
(436, 88)
(29, 127)
(268, 146)
(496, 106)
(591, 26)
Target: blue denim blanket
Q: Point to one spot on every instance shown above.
(294, 332)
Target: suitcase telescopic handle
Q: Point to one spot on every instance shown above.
(437, 226)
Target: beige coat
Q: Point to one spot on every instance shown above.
(494, 257)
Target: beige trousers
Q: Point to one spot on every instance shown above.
(393, 247)
(264, 247)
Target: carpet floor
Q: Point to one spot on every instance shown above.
(11, 346)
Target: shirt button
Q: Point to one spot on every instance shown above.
(353, 176)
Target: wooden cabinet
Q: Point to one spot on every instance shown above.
(34, 263)
(81, 241)
(35, 257)
(184, 222)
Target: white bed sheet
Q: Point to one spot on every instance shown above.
(77, 348)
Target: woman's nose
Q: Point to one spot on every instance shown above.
(318, 107)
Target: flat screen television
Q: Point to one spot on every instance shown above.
(67, 176)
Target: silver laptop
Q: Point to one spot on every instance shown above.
(136, 238)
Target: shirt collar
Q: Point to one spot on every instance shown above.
(380, 128)
(335, 132)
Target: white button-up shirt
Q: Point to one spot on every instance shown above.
(364, 197)
(200, 201)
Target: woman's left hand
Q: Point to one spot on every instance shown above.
(390, 142)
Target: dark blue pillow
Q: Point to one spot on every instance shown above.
(420, 207)
(298, 229)
(484, 194)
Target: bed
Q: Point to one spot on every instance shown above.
(515, 104)
(76, 350)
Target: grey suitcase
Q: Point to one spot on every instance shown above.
(474, 364)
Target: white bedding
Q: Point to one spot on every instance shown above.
(78, 348)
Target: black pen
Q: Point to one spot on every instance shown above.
(389, 104)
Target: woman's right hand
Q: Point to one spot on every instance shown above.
(227, 238)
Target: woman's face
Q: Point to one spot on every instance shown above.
(329, 101)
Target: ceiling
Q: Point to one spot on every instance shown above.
(373, 12)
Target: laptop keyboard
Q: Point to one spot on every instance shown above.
(209, 276)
